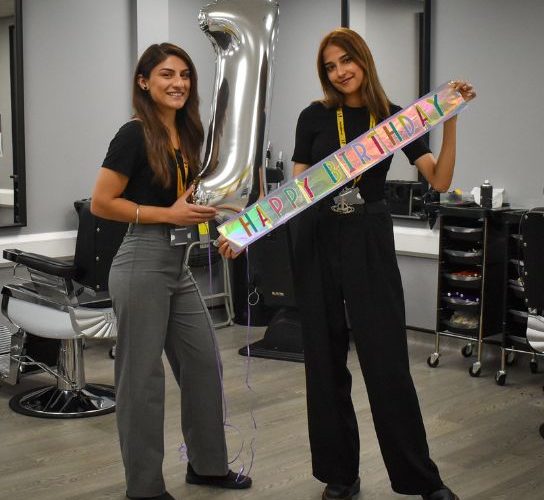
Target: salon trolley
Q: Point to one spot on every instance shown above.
(471, 280)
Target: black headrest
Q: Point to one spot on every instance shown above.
(97, 243)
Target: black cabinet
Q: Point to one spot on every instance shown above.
(515, 312)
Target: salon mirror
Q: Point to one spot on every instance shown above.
(398, 34)
(12, 150)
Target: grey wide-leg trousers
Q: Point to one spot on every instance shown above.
(159, 307)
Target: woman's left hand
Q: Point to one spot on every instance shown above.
(464, 88)
(224, 248)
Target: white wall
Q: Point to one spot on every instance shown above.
(151, 23)
(77, 70)
(497, 45)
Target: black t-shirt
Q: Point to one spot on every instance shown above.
(127, 155)
(317, 138)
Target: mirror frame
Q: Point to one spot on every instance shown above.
(424, 55)
(17, 120)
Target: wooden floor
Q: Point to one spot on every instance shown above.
(483, 437)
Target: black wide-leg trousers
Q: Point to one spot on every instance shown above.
(352, 258)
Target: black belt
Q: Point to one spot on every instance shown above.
(368, 207)
(154, 229)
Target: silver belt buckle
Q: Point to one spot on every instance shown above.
(345, 201)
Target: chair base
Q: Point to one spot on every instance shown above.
(52, 402)
(282, 339)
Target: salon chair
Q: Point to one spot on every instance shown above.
(67, 301)
(532, 230)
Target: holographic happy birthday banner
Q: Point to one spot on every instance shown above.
(342, 166)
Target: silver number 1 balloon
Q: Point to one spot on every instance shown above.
(243, 34)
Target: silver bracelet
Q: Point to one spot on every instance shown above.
(137, 214)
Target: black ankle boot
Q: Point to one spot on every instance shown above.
(342, 491)
(443, 493)
(231, 481)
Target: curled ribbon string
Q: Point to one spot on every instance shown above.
(248, 377)
(183, 450)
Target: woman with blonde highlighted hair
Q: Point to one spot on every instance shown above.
(345, 262)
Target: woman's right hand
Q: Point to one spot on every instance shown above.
(184, 213)
(225, 249)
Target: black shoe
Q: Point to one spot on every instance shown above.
(341, 491)
(164, 496)
(231, 481)
(442, 494)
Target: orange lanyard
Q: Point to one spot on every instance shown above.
(182, 180)
(342, 131)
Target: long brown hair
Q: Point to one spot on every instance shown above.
(372, 91)
(188, 123)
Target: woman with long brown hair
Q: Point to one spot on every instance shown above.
(144, 180)
(345, 244)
